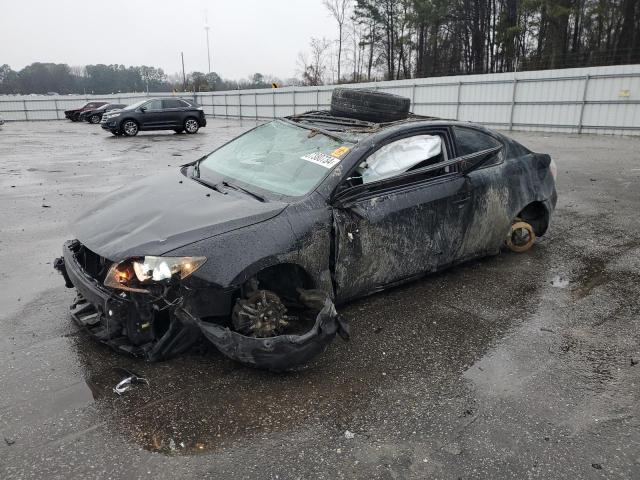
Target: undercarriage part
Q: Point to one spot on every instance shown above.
(281, 352)
(521, 236)
(260, 315)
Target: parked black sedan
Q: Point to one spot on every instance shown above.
(74, 114)
(251, 244)
(95, 115)
(175, 114)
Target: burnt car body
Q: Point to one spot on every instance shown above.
(94, 115)
(348, 218)
(74, 114)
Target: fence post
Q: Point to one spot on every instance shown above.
(273, 100)
(55, 104)
(24, 105)
(458, 100)
(318, 98)
(413, 98)
(294, 100)
(239, 105)
(226, 107)
(255, 100)
(513, 101)
(584, 101)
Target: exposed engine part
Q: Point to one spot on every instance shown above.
(521, 236)
(262, 314)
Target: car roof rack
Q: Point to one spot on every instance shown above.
(352, 124)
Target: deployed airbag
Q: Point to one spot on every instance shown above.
(400, 156)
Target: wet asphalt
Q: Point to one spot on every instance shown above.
(515, 366)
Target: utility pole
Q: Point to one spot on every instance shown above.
(206, 29)
(184, 77)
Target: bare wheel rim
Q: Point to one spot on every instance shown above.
(521, 237)
(130, 128)
(191, 125)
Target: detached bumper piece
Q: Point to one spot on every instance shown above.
(281, 352)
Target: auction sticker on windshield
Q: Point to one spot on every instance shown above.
(322, 159)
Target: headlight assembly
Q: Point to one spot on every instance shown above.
(133, 275)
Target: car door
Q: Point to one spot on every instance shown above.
(173, 109)
(397, 228)
(490, 217)
(151, 115)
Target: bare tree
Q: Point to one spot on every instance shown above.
(312, 66)
(339, 10)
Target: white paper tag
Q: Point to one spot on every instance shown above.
(322, 159)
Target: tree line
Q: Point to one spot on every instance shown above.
(42, 78)
(395, 39)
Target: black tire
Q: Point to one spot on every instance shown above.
(369, 105)
(178, 130)
(95, 119)
(191, 125)
(130, 128)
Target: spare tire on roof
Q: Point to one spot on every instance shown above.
(369, 105)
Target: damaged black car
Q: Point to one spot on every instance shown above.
(252, 245)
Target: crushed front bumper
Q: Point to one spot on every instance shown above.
(127, 322)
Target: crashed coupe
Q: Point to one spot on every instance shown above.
(251, 245)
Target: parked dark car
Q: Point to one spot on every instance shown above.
(175, 114)
(74, 115)
(251, 245)
(95, 115)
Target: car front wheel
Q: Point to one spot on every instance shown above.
(94, 119)
(191, 125)
(130, 128)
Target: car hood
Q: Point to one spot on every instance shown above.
(163, 212)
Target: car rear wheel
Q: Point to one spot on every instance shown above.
(191, 125)
(130, 128)
(94, 119)
(521, 236)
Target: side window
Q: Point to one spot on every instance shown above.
(471, 141)
(172, 103)
(153, 105)
(184, 104)
(401, 156)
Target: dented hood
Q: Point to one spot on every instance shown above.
(163, 212)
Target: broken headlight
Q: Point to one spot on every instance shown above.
(139, 272)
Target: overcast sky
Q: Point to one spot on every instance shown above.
(246, 36)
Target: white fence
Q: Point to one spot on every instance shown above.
(578, 100)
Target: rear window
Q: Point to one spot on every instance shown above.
(173, 103)
(471, 141)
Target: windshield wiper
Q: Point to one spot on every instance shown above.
(211, 185)
(248, 192)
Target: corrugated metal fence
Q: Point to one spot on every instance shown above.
(578, 100)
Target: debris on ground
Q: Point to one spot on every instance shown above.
(349, 435)
(125, 384)
(9, 441)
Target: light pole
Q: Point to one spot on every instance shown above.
(206, 29)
